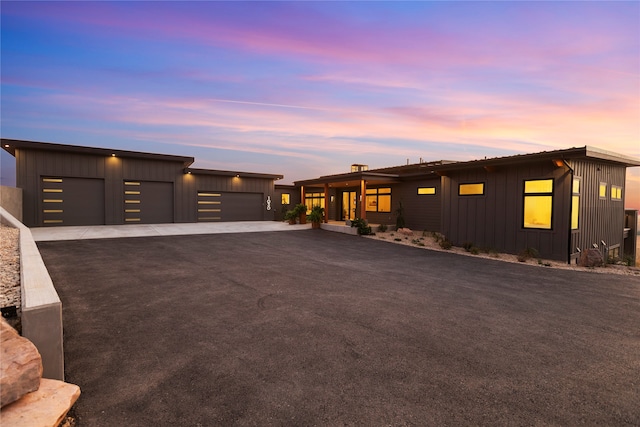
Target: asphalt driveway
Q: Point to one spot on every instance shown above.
(319, 328)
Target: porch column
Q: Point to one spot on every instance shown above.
(326, 203)
(302, 195)
(363, 199)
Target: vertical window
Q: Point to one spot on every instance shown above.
(286, 198)
(538, 203)
(378, 200)
(603, 190)
(575, 204)
(476, 189)
(616, 192)
(426, 190)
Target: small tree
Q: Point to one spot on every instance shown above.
(400, 217)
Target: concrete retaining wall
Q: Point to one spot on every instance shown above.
(41, 306)
(11, 200)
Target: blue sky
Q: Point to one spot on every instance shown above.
(308, 88)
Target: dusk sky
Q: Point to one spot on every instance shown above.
(306, 89)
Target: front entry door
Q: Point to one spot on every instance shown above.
(349, 205)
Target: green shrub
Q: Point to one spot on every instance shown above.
(474, 250)
(527, 254)
(382, 228)
(362, 226)
(445, 244)
(467, 246)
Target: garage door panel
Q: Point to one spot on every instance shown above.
(72, 201)
(227, 206)
(148, 202)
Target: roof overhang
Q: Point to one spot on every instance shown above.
(352, 179)
(10, 145)
(558, 157)
(236, 174)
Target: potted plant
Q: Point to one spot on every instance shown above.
(316, 216)
(301, 210)
(291, 216)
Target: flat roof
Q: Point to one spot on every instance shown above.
(10, 146)
(197, 171)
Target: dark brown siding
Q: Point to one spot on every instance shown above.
(278, 207)
(495, 219)
(421, 212)
(600, 220)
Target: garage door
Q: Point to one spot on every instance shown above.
(72, 201)
(225, 206)
(148, 202)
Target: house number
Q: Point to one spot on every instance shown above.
(268, 203)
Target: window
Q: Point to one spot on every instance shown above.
(378, 200)
(538, 203)
(575, 204)
(616, 192)
(313, 199)
(603, 190)
(471, 189)
(426, 190)
(286, 198)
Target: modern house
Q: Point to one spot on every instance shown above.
(558, 202)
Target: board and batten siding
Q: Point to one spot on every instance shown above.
(600, 219)
(421, 212)
(32, 165)
(494, 220)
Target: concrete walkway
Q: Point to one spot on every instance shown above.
(48, 234)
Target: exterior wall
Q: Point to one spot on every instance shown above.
(421, 212)
(11, 201)
(294, 199)
(495, 219)
(601, 219)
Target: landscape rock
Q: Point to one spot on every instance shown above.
(591, 258)
(45, 407)
(20, 365)
(405, 231)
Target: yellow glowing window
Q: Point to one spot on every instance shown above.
(52, 221)
(538, 186)
(52, 190)
(52, 210)
(427, 190)
(132, 210)
(538, 203)
(52, 200)
(575, 204)
(575, 212)
(51, 179)
(131, 183)
(131, 192)
(616, 192)
(603, 190)
(132, 201)
(286, 199)
(209, 194)
(471, 189)
(378, 200)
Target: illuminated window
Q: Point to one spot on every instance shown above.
(286, 198)
(616, 192)
(313, 199)
(603, 190)
(538, 203)
(427, 190)
(378, 200)
(575, 204)
(476, 189)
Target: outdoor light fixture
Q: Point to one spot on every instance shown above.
(578, 249)
(237, 175)
(603, 243)
(113, 155)
(6, 145)
(559, 163)
(595, 246)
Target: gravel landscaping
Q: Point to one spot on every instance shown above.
(10, 272)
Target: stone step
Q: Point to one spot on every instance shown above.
(45, 407)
